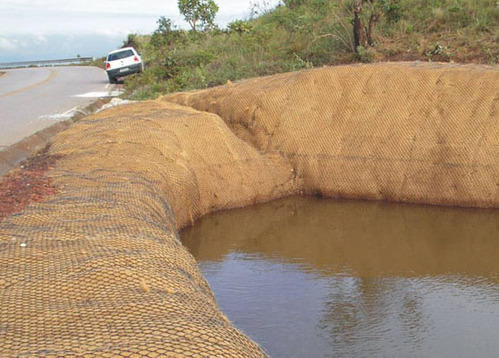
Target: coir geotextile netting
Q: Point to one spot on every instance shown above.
(98, 270)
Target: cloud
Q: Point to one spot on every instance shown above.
(39, 39)
(7, 44)
(29, 47)
(84, 16)
(29, 28)
(91, 6)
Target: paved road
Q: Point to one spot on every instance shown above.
(34, 98)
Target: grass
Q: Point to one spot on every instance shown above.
(309, 33)
(98, 62)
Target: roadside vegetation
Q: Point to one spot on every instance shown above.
(97, 62)
(300, 34)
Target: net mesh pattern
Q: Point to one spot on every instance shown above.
(98, 269)
(409, 132)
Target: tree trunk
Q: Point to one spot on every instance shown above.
(373, 20)
(359, 37)
(193, 22)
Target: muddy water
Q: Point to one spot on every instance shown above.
(318, 278)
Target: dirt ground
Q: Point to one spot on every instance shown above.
(26, 185)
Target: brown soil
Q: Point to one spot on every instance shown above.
(27, 184)
(100, 268)
(456, 48)
(408, 132)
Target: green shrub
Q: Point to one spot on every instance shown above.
(438, 50)
(304, 33)
(364, 55)
(240, 26)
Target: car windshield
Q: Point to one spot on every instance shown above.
(119, 55)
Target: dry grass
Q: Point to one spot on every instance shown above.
(313, 33)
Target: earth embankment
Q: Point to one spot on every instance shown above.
(98, 268)
(422, 133)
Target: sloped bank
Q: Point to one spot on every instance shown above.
(409, 132)
(98, 269)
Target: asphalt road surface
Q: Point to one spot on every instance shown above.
(32, 99)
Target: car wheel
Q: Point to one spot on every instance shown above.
(112, 80)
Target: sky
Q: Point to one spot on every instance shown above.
(53, 29)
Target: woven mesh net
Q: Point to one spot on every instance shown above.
(410, 132)
(98, 270)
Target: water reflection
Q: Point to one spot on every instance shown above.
(319, 278)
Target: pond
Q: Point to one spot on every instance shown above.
(306, 277)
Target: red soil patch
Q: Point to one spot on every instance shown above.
(27, 184)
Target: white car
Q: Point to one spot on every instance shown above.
(123, 62)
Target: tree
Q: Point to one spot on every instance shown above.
(363, 35)
(166, 33)
(200, 12)
(131, 41)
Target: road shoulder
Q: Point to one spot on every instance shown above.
(12, 155)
